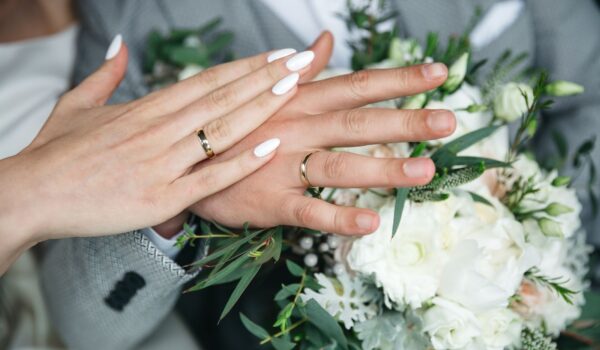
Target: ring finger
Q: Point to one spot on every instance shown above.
(349, 170)
(224, 132)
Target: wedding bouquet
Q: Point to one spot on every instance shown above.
(489, 255)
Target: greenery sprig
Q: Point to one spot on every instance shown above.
(557, 285)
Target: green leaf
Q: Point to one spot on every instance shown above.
(401, 195)
(325, 323)
(432, 44)
(418, 150)
(462, 143)
(210, 26)
(282, 344)
(234, 246)
(220, 42)
(488, 163)
(287, 291)
(221, 275)
(239, 289)
(278, 242)
(479, 199)
(253, 328)
(294, 268)
(561, 144)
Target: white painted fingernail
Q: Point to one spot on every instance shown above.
(114, 47)
(300, 61)
(280, 54)
(267, 147)
(286, 84)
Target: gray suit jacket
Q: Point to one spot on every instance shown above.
(83, 278)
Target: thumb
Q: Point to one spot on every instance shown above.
(96, 89)
(323, 48)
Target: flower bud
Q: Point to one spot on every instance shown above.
(532, 127)
(404, 52)
(556, 209)
(414, 102)
(550, 227)
(510, 103)
(189, 71)
(564, 88)
(560, 181)
(475, 108)
(457, 73)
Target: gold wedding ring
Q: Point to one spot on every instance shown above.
(204, 141)
(314, 190)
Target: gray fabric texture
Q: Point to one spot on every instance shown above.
(562, 37)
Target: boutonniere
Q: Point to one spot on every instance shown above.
(182, 53)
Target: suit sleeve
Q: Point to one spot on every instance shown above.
(568, 46)
(109, 292)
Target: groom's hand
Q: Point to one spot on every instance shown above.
(323, 115)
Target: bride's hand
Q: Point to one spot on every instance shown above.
(323, 115)
(98, 169)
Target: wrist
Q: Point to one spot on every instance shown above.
(19, 208)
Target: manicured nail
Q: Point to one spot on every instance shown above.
(280, 54)
(417, 167)
(300, 61)
(286, 84)
(365, 222)
(267, 147)
(114, 47)
(440, 121)
(434, 71)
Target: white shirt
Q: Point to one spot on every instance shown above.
(34, 74)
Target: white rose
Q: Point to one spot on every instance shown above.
(407, 266)
(189, 71)
(510, 104)
(500, 328)
(449, 325)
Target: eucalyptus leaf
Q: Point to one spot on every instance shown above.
(282, 344)
(479, 199)
(294, 268)
(253, 328)
(239, 290)
(321, 319)
(221, 275)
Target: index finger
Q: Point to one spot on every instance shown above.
(368, 86)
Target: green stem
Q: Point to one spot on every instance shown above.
(280, 333)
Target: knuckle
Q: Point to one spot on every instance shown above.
(334, 165)
(273, 71)
(392, 170)
(305, 214)
(354, 122)
(221, 98)
(402, 77)
(208, 78)
(359, 83)
(218, 129)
